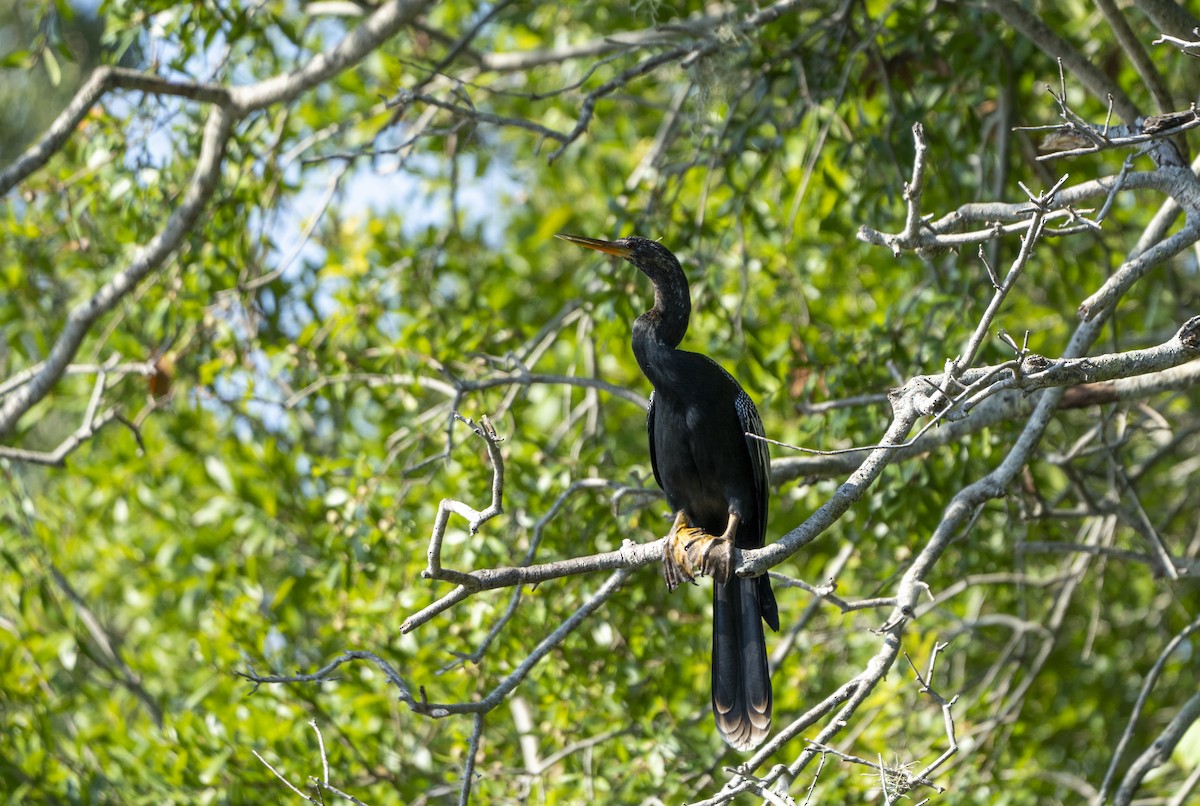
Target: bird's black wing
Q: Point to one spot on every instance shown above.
(760, 462)
(760, 459)
(650, 434)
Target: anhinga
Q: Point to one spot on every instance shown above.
(715, 479)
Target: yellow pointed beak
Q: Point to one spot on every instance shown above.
(607, 247)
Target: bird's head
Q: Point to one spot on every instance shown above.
(668, 319)
(654, 259)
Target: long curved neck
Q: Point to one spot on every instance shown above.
(658, 331)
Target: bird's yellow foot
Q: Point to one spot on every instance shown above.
(690, 551)
(677, 568)
(710, 555)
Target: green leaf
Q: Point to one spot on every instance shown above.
(53, 70)
(16, 58)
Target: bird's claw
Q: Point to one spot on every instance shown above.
(690, 552)
(677, 568)
(710, 556)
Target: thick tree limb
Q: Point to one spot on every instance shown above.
(1054, 46)
(1133, 269)
(381, 25)
(1169, 16)
(1005, 405)
(229, 106)
(102, 80)
(148, 259)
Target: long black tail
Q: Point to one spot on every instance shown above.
(741, 680)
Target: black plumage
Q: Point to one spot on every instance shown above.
(715, 480)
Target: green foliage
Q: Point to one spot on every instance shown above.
(273, 510)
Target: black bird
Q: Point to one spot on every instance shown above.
(715, 479)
